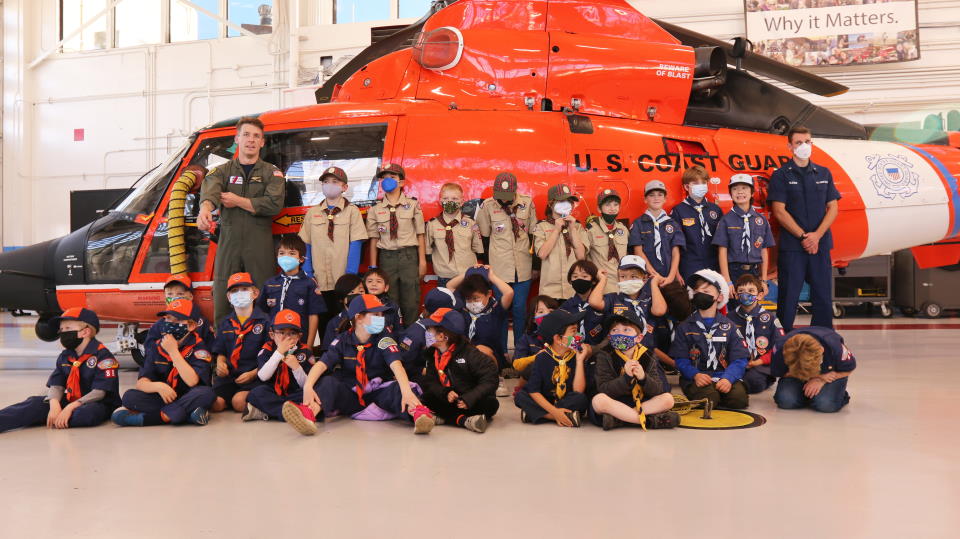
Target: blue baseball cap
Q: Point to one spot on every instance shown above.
(365, 303)
(446, 318)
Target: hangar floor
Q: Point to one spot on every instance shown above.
(885, 466)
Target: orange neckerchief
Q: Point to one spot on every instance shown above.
(242, 330)
(73, 380)
(281, 382)
(174, 377)
(441, 361)
(361, 371)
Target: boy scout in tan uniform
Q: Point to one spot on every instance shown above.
(247, 203)
(329, 228)
(507, 220)
(560, 240)
(608, 239)
(395, 226)
(453, 239)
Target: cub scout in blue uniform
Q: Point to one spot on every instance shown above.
(698, 220)
(240, 337)
(760, 329)
(744, 236)
(284, 361)
(293, 289)
(413, 340)
(639, 293)
(82, 390)
(180, 286)
(709, 350)
(814, 366)
(174, 382)
(361, 388)
(656, 237)
(556, 390)
(483, 312)
(348, 286)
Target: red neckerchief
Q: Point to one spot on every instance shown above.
(73, 379)
(441, 361)
(242, 330)
(174, 377)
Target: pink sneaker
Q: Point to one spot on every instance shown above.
(300, 417)
(423, 420)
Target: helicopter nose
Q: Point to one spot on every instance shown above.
(27, 278)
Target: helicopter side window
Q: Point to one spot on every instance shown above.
(303, 155)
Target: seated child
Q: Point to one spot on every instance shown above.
(82, 390)
(814, 365)
(460, 382)
(240, 337)
(556, 390)
(708, 348)
(583, 278)
(377, 282)
(628, 380)
(179, 286)
(413, 340)
(483, 311)
(760, 329)
(367, 380)
(284, 362)
(174, 382)
(348, 286)
(292, 288)
(531, 343)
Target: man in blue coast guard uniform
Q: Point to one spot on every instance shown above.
(805, 203)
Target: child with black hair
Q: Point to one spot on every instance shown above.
(460, 382)
(583, 278)
(557, 386)
(413, 340)
(608, 236)
(760, 328)
(377, 282)
(531, 343)
(709, 350)
(284, 361)
(292, 289)
(348, 286)
(629, 377)
(559, 241)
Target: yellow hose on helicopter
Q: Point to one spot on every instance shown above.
(191, 179)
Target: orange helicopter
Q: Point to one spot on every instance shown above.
(589, 93)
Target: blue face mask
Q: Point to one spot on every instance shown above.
(176, 329)
(747, 299)
(389, 185)
(429, 339)
(622, 342)
(698, 190)
(288, 263)
(376, 325)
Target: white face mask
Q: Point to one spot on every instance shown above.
(476, 307)
(241, 299)
(698, 190)
(331, 190)
(631, 287)
(803, 151)
(562, 208)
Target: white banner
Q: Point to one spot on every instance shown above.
(819, 32)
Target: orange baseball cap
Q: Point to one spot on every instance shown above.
(287, 319)
(365, 303)
(239, 279)
(181, 278)
(81, 315)
(182, 309)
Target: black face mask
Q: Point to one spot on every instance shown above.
(178, 330)
(702, 301)
(581, 286)
(608, 218)
(70, 339)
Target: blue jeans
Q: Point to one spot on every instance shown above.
(832, 396)
(521, 291)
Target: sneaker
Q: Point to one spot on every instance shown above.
(423, 421)
(502, 390)
(476, 423)
(254, 414)
(663, 420)
(126, 418)
(300, 417)
(610, 422)
(200, 416)
(439, 421)
(574, 417)
(524, 418)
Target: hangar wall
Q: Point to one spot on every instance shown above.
(137, 104)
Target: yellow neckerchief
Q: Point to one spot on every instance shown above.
(561, 371)
(637, 390)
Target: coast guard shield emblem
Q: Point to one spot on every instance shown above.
(892, 176)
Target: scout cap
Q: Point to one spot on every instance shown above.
(181, 309)
(560, 192)
(654, 185)
(448, 319)
(365, 303)
(287, 319)
(80, 315)
(713, 278)
(556, 322)
(239, 279)
(607, 193)
(334, 172)
(179, 278)
(391, 168)
(633, 261)
(505, 187)
(744, 179)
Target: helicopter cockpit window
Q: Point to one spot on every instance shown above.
(304, 155)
